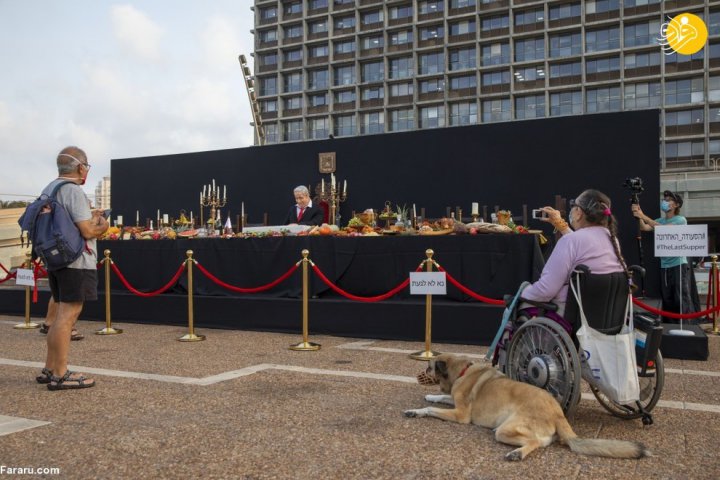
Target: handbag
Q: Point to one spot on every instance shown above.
(608, 361)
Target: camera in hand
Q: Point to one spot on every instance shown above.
(539, 213)
(635, 185)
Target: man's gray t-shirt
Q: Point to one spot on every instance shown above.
(72, 197)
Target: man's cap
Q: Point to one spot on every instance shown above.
(675, 196)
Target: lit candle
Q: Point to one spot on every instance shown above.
(322, 187)
(203, 193)
(213, 184)
(345, 187)
(201, 196)
(158, 217)
(242, 212)
(119, 220)
(151, 225)
(414, 212)
(332, 181)
(137, 217)
(225, 192)
(191, 218)
(165, 218)
(475, 209)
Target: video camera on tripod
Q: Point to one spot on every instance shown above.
(635, 185)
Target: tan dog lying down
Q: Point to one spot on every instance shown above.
(521, 414)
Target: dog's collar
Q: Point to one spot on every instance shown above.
(462, 372)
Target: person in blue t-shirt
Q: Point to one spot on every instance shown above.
(674, 271)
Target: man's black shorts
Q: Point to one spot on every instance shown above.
(69, 285)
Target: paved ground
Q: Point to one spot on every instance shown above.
(241, 405)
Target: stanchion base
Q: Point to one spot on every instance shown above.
(712, 331)
(108, 331)
(27, 326)
(305, 346)
(424, 355)
(191, 337)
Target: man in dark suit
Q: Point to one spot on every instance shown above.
(303, 213)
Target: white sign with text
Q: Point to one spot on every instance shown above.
(428, 283)
(25, 277)
(681, 241)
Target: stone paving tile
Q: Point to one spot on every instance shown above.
(295, 425)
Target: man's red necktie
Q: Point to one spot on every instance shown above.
(300, 215)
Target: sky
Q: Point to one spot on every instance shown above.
(118, 79)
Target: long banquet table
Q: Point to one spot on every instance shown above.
(491, 265)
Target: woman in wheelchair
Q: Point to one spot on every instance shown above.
(538, 345)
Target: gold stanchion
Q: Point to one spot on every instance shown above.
(27, 325)
(108, 330)
(714, 274)
(305, 345)
(190, 336)
(427, 354)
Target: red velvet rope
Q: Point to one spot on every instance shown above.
(345, 294)
(675, 315)
(4, 269)
(469, 292)
(262, 288)
(41, 269)
(9, 276)
(148, 294)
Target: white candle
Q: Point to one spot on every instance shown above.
(158, 215)
(165, 218)
(191, 218)
(322, 187)
(119, 220)
(414, 212)
(213, 184)
(332, 181)
(242, 212)
(151, 225)
(203, 193)
(345, 187)
(225, 192)
(475, 209)
(137, 217)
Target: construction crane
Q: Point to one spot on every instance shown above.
(252, 96)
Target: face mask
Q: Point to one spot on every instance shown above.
(665, 206)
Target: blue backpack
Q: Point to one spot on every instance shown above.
(55, 238)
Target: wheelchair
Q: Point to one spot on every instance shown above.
(538, 346)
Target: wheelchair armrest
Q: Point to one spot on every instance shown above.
(544, 305)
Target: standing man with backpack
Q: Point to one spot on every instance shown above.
(76, 283)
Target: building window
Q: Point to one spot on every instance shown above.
(529, 74)
(495, 54)
(530, 17)
(643, 95)
(565, 45)
(565, 70)
(689, 90)
(373, 122)
(319, 51)
(271, 133)
(674, 58)
(293, 82)
(402, 11)
(461, 83)
(269, 106)
(344, 75)
(293, 31)
(462, 3)
(402, 37)
(566, 103)
(462, 58)
(602, 65)
(607, 39)
(464, 113)
(532, 106)
(403, 119)
(293, 103)
(345, 47)
(642, 33)
(494, 23)
(318, 27)
(685, 117)
(373, 72)
(268, 86)
(401, 89)
(346, 96)
(268, 59)
(318, 4)
(401, 67)
(714, 23)
(318, 79)
(432, 117)
(376, 41)
(267, 36)
(432, 63)
(496, 110)
(293, 55)
(318, 100)
(431, 6)
(641, 60)
(292, 8)
(568, 10)
(269, 13)
(343, 2)
(344, 125)
(319, 128)
(432, 86)
(501, 77)
(713, 89)
(602, 100)
(530, 49)
(344, 22)
(462, 28)
(432, 32)
(637, 3)
(373, 93)
(683, 154)
(601, 6)
(293, 131)
(368, 18)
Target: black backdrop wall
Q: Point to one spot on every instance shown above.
(506, 164)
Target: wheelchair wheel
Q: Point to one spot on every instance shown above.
(651, 386)
(541, 353)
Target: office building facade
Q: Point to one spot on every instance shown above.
(357, 67)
